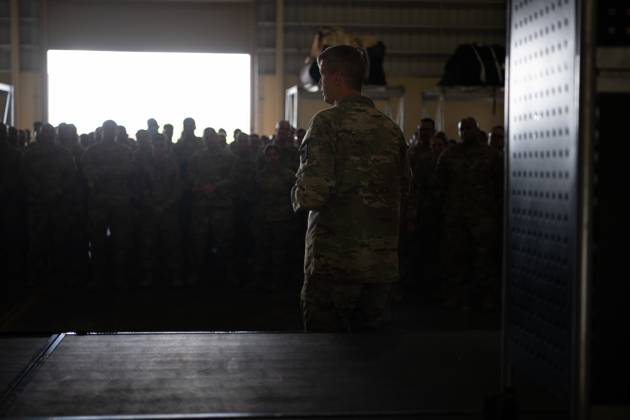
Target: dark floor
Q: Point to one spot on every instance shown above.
(51, 310)
(441, 363)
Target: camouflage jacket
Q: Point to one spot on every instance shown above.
(10, 162)
(183, 150)
(165, 183)
(48, 172)
(243, 174)
(470, 177)
(107, 167)
(352, 178)
(273, 194)
(211, 167)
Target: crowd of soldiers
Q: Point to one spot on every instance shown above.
(136, 212)
(103, 209)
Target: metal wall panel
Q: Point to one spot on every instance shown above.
(420, 35)
(542, 197)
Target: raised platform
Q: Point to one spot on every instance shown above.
(254, 375)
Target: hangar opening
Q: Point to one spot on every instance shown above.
(84, 87)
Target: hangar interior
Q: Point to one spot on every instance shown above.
(556, 346)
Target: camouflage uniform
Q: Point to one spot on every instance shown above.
(275, 223)
(182, 151)
(10, 235)
(107, 167)
(48, 172)
(353, 176)
(158, 190)
(212, 212)
(289, 156)
(470, 179)
(243, 173)
(76, 210)
(420, 244)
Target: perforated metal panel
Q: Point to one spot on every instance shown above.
(542, 196)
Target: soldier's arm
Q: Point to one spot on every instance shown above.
(315, 176)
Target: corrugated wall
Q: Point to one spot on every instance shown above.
(419, 35)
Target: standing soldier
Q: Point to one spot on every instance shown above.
(75, 207)
(243, 172)
(187, 145)
(470, 177)
(167, 132)
(289, 157)
(107, 168)
(159, 205)
(274, 220)
(141, 180)
(48, 171)
(10, 161)
(352, 178)
(212, 211)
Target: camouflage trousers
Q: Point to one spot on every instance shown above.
(159, 240)
(112, 221)
(272, 251)
(332, 306)
(470, 258)
(47, 232)
(212, 228)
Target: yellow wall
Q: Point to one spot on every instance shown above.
(270, 106)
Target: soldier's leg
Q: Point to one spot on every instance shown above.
(147, 231)
(223, 233)
(169, 244)
(121, 226)
(97, 228)
(326, 306)
(262, 253)
(38, 244)
(486, 262)
(198, 235)
(454, 251)
(283, 236)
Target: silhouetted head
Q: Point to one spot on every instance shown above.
(46, 134)
(468, 130)
(144, 140)
(242, 144)
(342, 70)
(236, 133)
(152, 125)
(497, 138)
(439, 143)
(64, 134)
(108, 131)
(271, 154)
(189, 126)
(222, 137)
(425, 131)
(211, 138)
(283, 132)
(167, 131)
